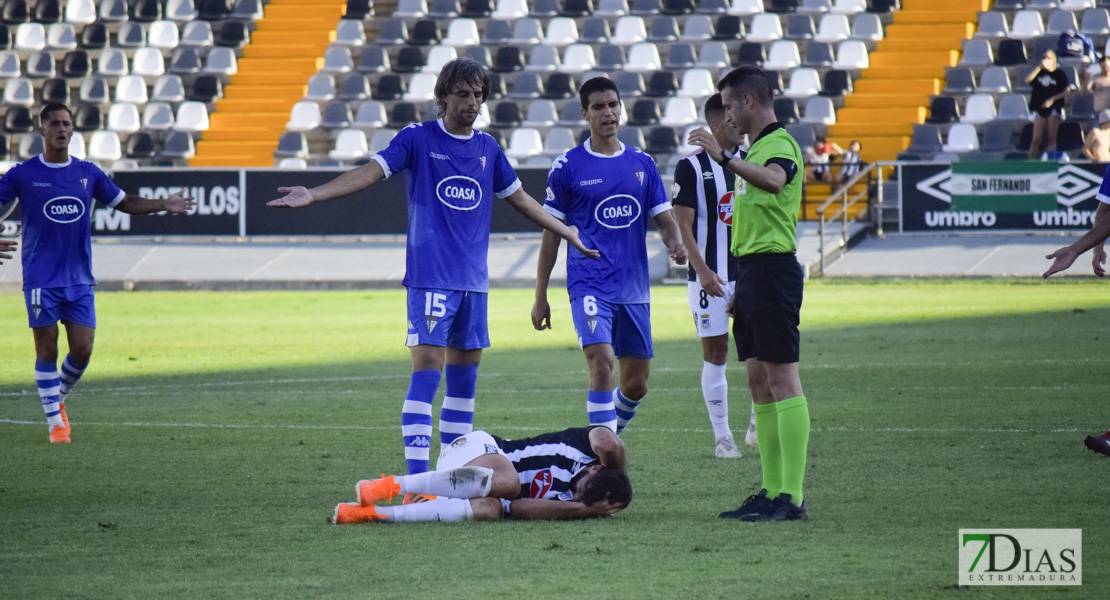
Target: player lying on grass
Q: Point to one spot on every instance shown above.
(571, 474)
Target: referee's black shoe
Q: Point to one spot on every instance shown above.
(782, 509)
(1099, 443)
(757, 503)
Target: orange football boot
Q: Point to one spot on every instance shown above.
(418, 498)
(59, 434)
(347, 513)
(369, 491)
(65, 419)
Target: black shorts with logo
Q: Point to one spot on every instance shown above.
(767, 307)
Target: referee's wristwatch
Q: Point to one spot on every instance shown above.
(727, 157)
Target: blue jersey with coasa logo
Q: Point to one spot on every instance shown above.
(451, 182)
(56, 203)
(609, 199)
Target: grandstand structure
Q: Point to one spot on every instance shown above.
(301, 83)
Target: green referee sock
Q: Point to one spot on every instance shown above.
(770, 456)
(793, 422)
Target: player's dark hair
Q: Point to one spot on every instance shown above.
(597, 84)
(608, 484)
(714, 107)
(750, 80)
(455, 72)
(53, 107)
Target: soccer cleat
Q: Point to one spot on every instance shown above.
(347, 513)
(726, 448)
(750, 438)
(418, 498)
(782, 509)
(1100, 443)
(369, 491)
(65, 419)
(59, 434)
(756, 503)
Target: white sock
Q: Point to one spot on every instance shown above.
(714, 388)
(463, 482)
(442, 509)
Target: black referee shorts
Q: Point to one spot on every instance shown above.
(768, 302)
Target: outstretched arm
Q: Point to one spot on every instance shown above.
(549, 252)
(352, 181)
(178, 204)
(1064, 257)
(534, 212)
(608, 447)
(7, 246)
(536, 509)
(668, 230)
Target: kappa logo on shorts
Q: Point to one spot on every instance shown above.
(704, 320)
(592, 323)
(431, 323)
(541, 484)
(491, 449)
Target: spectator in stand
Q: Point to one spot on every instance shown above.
(1050, 87)
(851, 160)
(1097, 147)
(818, 157)
(1099, 85)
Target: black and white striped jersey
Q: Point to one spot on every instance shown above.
(547, 463)
(703, 185)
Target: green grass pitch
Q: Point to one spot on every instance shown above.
(214, 433)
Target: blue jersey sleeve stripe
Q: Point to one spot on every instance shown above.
(513, 187)
(555, 212)
(1103, 198)
(385, 166)
(119, 198)
(659, 208)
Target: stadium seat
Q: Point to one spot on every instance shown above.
(148, 63)
(786, 110)
(291, 163)
(833, 28)
(814, 7)
(197, 34)
(544, 8)
(305, 116)
(61, 36)
(93, 90)
(595, 31)
(543, 59)
(112, 63)
(849, 7)
(163, 35)
(130, 89)
(1013, 107)
(411, 9)
(104, 146)
(679, 112)
(979, 109)
(837, 83)
(745, 8)
(526, 32)
(130, 35)
(350, 33)
(524, 142)
(697, 83)
(630, 85)
(402, 115)
(30, 37)
(1096, 22)
(179, 145)
(480, 54)
(997, 138)
(560, 86)
(851, 55)
(765, 27)
(185, 61)
(646, 7)
(113, 11)
(292, 144)
(233, 34)
(631, 136)
(578, 58)
(977, 53)
(698, 28)
(40, 65)
(800, 28)
(628, 31)
(527, 86)
(389, 87)
(557, 141)
(181, 11)
(819, 110)
(661, 141)
(943, 110)
(206, 89)
(867, 26)
(410, 59)
(421, 88)
(678, 7)
(337, 60)
(139, 145)
(123, 118)
(221, 61)
(611, 8)
(1060, 21)
(1081, 108)
(510, 9)
(55, 90)
(643, 58)
(610, 57)
(461, 33)
(992, 25)
(157, 116)
(508, 59)
(437, 57)
(10, 65)
(663, 30)
(80, 12)
(713, 55)
(1076, 5)
(712, 7)
(1011, 53)
(336, 115)
(356, 86)
(77, 147)
(994, 80)
(644, 112)
(783, 56)
(1027, 25)
(819, 55)
(804, 82)
(803, 134)
(371, 114)
(191, 117)
(214, 10)
(443, 9)
(251, 10)
(781, 6)
(561, 31)
(925, 141)
(962, 137)
(392, 32)
(76, 65)
(1069, 138)
(570, 115)
(146, 11)
(541, 113)
(751, 53)
(662, 84)
(17, 119)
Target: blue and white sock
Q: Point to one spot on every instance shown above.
(71, 374)
(456, 418)
(625, 409)
(416, 419)
(46, 377)
(599, 408)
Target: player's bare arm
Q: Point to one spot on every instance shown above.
(549, 252)
(1064, 257)
(608, 446)
(1098, 253)
(352, 181)
(542, 509)
(534, 212)
(710, 281)
(668, 230)
(6, 247)
(770, 178)
(178, 203)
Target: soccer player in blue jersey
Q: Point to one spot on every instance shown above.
(453, 175)
(607, 191)
(56, 194)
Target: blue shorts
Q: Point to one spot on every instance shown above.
(626, 327)
(72, 304)
(447, 318)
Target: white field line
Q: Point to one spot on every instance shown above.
(959, 430)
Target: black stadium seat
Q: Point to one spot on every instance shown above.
(146, 11)
(409, 60)
(508, 59)
(233, 34)
(662, 140)
(358, 9)
(943, 109)
(577, 8)
(48, 11)
(559, 86)
(94, 36)
(729, 27)
(507, 114)
(140, 145)
(424, 33)
(1011, 53)
(206, 88)
(5, 37)
(87, 118)
(644, 112)
(390, 87)
(786, 111)
(837, 83)
(214, 10)
(782, 6)
(15, 12)
(662, 84)
(55, 90)
(76, 64)
(18, 120)
(751, 53)
(477, 9)
(403, 115)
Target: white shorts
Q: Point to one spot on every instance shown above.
(710, 312)
(465, 449)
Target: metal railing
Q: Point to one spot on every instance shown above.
(844, 200)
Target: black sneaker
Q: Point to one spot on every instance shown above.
(782, 509)
(1100, 443)
(757, 503)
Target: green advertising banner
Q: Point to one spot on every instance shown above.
(1004, 187)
